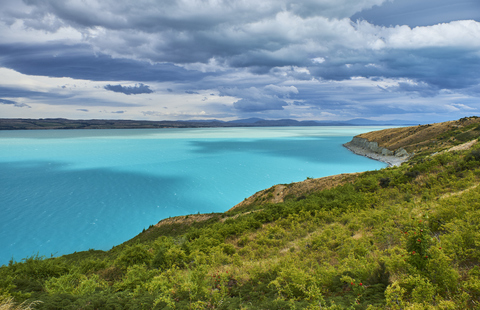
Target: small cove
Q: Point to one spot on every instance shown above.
(71, 190)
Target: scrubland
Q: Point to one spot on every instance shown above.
(403, 237)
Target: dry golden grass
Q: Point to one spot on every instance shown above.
(9, 304)
(415, 138)
(185, 219)
(278, 193)
(239, 214)
(459, 192)
(462, 147)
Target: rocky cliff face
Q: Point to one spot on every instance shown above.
(373, 147)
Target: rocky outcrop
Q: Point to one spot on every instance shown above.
(371, 149)
(401, 153)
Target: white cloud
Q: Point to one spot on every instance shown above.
(318, 60)
(19, 33)
(461, 106)
(212, 66)
(464, 33)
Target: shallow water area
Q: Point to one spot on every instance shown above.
(71, 190)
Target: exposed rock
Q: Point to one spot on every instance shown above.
(401, 152)
(370, 149)
(373, 146)
(387, 152)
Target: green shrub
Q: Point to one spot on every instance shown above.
(418, 244)
(412, 174)
(74, 284)
(394, 295)
(39, 268)
(228, 249)
(133, 255)
(441, 272)
(384, 182)
(473, 155)
(135, 277)
(175, 256)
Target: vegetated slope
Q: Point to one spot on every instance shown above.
(427, 137)
(398, 238)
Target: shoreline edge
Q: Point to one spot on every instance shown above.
(363, 147)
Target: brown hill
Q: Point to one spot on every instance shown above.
(437, 136)
(281, 192)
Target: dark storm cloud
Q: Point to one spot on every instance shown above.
(448, 68)
(149, 16)
(445, 68)
(244, 35)
(52, 98)
(5, 101)
(13, 92)
(14, 103)
(185, 31)
(420, 13)
(130, 90)
(80, 62)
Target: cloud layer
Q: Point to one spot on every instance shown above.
(130, 90)
(317, 59)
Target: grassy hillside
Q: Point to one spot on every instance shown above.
(427, 138)
(405, 237)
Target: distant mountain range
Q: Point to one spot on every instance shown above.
(61, 123)
(292, 122)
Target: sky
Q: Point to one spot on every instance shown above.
(415, 60)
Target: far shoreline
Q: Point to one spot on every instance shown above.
(61, 123)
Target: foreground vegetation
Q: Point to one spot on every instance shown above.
(399, 238)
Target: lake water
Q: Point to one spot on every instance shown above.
(72, 190)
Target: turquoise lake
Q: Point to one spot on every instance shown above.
(63, 191)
